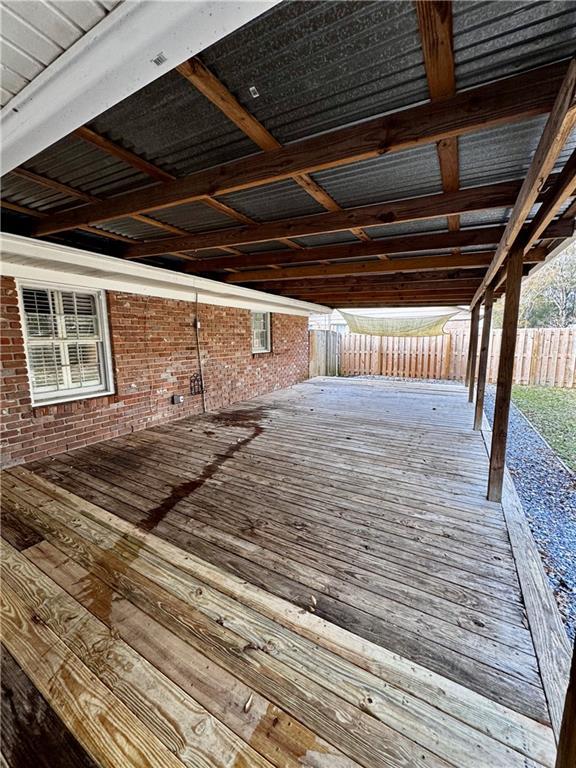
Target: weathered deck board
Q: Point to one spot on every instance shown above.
(315, 576)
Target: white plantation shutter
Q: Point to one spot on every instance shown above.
(64, 343)
(260, 331)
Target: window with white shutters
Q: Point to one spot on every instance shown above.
(261, 332)
(66, 343)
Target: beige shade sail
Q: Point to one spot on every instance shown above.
(422, 325)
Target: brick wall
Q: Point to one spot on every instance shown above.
(154, 354)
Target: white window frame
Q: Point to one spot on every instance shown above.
(79, 393)
(268, 348)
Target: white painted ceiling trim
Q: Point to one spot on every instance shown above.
(29, 259)
(115, 58)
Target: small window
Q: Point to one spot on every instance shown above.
(260, 332)
(66, 343)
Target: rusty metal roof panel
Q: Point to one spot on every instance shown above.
(84, 166)
(497, 39)
(319, 65)
(281, 200)
(388, 177)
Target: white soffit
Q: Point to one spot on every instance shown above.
(129, 47)
(34, 33)
(26, 258)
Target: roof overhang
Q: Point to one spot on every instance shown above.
(26, 258)
(132, 46)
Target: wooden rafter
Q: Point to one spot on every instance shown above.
(558, 127)
(41, 215)
(500, 195)
(377, 267)
(560, 192)
(215, 91)
(510, 100)
(67, 189)
(435, 23)
(372, 267)
(434, 277)
(117, 150)
(386, 246)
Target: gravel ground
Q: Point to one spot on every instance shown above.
(547, 490)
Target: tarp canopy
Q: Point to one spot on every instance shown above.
(421, 325)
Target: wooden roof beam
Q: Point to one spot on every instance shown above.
(66, 189)
(402, 244)
(40, 215)
(558, 127)
(144, 166)
(377, 267)
(393, 212)
(195, 71)
(507, 101)
(435, 23)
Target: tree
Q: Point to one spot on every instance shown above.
(549, 296)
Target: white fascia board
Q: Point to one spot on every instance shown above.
(30, 259)
(110, 62)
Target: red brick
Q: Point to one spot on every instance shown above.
(154, 356)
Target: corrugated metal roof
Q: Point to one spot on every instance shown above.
(497, 39)
(194, 217)
(485, 218)
(319, 65)
(86, 167)
(316, 66)
(388, 177)
(408, 228)
(35, 33)
(269, 245)
(25, 192)
(172, 125)
(330, 238)
(274, 201)
(138, 230)
(503, 153)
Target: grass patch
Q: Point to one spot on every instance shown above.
(553, 413)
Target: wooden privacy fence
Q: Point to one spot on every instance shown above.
(324, 353)
(544, 356)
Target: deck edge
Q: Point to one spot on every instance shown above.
(551, 644)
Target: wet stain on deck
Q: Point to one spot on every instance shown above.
(127, 549)
(249, 419)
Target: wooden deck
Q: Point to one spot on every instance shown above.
(312, 578)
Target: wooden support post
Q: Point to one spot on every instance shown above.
(469, 357)
(505, 373)
(474, 323)
(566, 755)
(483, 363)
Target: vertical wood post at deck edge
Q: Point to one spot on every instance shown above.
(566, 756)
(474, 322)
(483, 363)
(505, 373)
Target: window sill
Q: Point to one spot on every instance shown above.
(71, 398)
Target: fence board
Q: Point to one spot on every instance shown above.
(545, 356)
